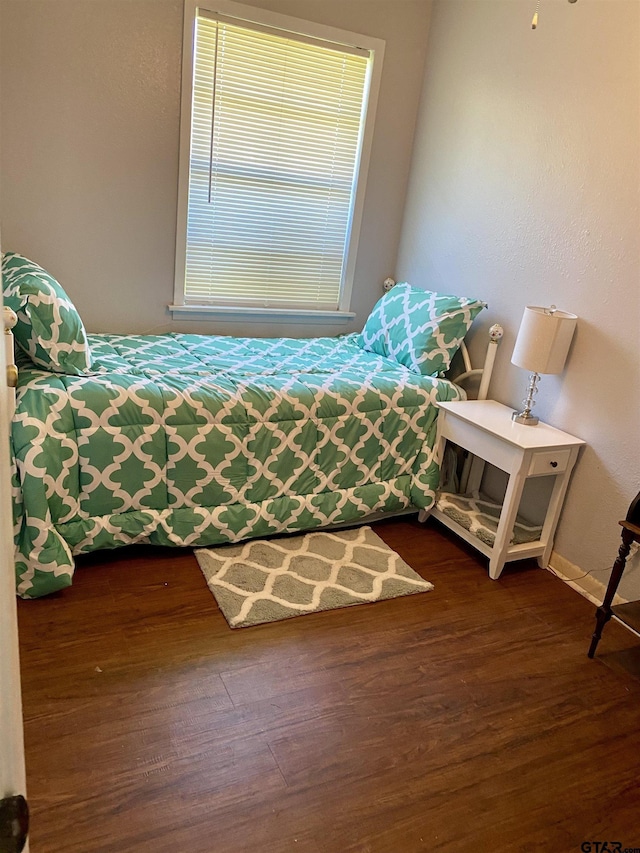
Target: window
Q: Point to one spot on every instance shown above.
(276, 126)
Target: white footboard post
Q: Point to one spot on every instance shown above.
(9, 319)
(495, 333)
(473, 468)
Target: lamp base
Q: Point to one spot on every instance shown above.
(525, 418)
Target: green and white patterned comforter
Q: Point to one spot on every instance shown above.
(197, 440)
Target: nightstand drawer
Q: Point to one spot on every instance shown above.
(551, 462)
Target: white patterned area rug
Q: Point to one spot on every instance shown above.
(266, 580)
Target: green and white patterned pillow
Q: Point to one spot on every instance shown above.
(49, 328)
(419, 328)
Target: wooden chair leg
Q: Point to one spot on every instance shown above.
(602, 617)
(604, 612)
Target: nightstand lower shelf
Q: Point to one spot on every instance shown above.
(480, 516)
(471, 527)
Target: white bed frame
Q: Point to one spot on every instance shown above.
(481, 374)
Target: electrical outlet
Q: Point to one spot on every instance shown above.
(387, 284)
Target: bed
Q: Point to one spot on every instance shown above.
(193, 440)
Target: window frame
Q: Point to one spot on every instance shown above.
(262, 17)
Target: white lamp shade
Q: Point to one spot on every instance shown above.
(543, 339)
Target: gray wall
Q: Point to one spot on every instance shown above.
(525, 189)
(90, 99)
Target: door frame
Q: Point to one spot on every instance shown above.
(12, 764)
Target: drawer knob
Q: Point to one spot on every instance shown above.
(553, 464)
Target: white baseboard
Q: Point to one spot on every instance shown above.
(575, 577)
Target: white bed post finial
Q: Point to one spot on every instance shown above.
(495, 334)
(9, 319)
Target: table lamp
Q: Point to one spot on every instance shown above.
(541, 346)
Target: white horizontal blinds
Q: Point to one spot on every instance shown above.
(276, 127)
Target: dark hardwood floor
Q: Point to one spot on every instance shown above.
(465, 719)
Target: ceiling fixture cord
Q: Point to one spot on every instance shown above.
(534, 21)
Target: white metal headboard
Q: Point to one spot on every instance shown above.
(484, 373)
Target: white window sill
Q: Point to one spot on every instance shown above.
(272, 315)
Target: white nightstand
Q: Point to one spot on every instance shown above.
(485, 429)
